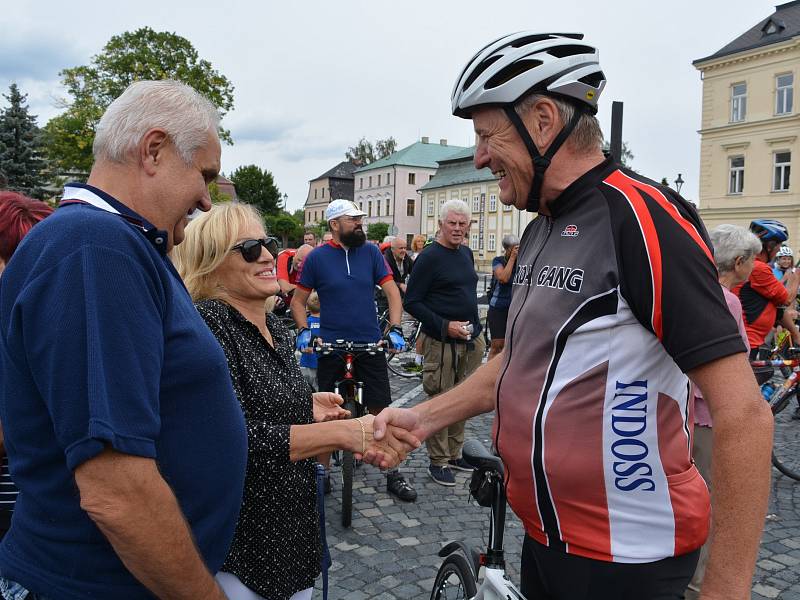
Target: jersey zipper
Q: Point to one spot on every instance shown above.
(510, 345)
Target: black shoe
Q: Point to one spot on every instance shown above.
(328, 484)
(796, 414)
(460, 464)
(396, 484)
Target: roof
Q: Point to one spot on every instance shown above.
(781, 26)
(344, 170)
(458, 170)
(418, 154)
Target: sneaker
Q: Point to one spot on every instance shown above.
(328, 483)
(442, 475)
(460, 464)
(396, 484)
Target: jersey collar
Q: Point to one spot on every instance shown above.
(83, 193)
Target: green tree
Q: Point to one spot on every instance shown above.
(217, 195)
(364, 152)
(126, 58)
(257, 187)
(627, 156)
(377, 231)
(21, 160)
(285, 227)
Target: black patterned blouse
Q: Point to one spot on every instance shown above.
(276, 549)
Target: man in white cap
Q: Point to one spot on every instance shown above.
(345, 272)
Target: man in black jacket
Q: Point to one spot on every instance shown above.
(399, 262)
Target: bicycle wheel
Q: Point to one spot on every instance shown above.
(348, 465)
(454, 581)
(403, 364)
(786, 443)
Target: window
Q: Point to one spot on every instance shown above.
(506, 207)
(784, 94)
(369, 208)
(736, 181)
(738, 102)
(430, 176)
(780, 181)
(430, 207)
(323, 192)
(379, 181)
(492, 203)
(441, 203)
(476, 204)
(361, 206)
(370, 181)
(412, 179)
(409, 239)
(388, 203)
(492, 242)
(315, 193)
(388, 179)
(361, 183)
(473, 241)
(410, 207)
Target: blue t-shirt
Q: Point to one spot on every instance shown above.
(501, 297)
(100, 345)
(309, 359)
(345, 280)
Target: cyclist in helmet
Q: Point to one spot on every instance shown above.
(784, 264)
(762, 294)
(615, 301)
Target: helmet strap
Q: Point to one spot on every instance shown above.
(540, 161)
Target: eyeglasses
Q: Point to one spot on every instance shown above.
(251, 249)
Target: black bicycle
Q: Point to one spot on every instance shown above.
(352, 391)
(403, 364)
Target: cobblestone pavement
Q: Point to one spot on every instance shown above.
(390, 551)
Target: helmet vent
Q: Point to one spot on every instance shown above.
(569, 50)
(480, 69)
(510, 72)
(530, 39)
(593, 79)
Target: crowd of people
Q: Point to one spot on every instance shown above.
(160, 436)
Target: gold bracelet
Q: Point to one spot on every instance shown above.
(363, 436)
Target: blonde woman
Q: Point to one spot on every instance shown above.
(228, 264)
(417, 244)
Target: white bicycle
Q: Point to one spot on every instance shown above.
(457, 578)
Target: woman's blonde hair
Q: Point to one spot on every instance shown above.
(208, 240)
(418, 242)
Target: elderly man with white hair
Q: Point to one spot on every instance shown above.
(127, 442)
(441, 294)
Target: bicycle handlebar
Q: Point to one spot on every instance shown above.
(345, 346)
(776, 363)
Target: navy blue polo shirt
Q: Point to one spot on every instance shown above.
(345, 280)
(100, 345)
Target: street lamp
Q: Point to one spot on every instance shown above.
(678, 183)
(286, 199)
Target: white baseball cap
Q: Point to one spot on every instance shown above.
(342, 208)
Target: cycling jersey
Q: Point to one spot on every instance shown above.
(283, 266)
(760, 295)
(615, 296)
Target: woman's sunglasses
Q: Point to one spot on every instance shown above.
(251, 249)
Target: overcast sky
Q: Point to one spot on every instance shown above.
(311, 77)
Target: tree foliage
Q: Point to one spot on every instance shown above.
(377, 231)
(21, 162)
(365, 152)
(627, 156)
(126, 58)
(257, 187)
(284, 226)
(217, 195)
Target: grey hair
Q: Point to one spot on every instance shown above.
(510, 240)
(185, 115)
(455, 205)
(388, 238)
(731, 242)
(587, 137)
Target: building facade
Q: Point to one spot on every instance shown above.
(750, 125)
(457, 178)
(387, 189)
(331, 185)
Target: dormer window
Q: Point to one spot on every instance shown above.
(773, 26)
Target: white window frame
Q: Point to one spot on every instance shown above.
(735, 176)
(784, 94)
(492, 202)
(491, 242)
(738, 102)
(476, 204)
(430, 207)
(388, 205)
(781, 172)
(473, 241)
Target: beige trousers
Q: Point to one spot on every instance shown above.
(445, 366)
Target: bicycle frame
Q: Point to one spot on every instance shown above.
(349, 379)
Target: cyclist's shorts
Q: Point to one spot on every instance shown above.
(370, 369)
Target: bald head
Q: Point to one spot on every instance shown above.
(399, 248)
(300, 256)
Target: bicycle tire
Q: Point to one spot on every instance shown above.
(454, 576)
(786, 442)
(348, 466)
(393, 363)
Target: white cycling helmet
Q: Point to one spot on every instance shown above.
(784, 251)
(513, 66)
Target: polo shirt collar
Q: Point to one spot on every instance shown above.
(84, 193)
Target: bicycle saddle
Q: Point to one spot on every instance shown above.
(479, 457)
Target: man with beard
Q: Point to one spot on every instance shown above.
(344, 272)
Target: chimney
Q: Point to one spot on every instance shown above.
(425, 139)
(443, 142)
